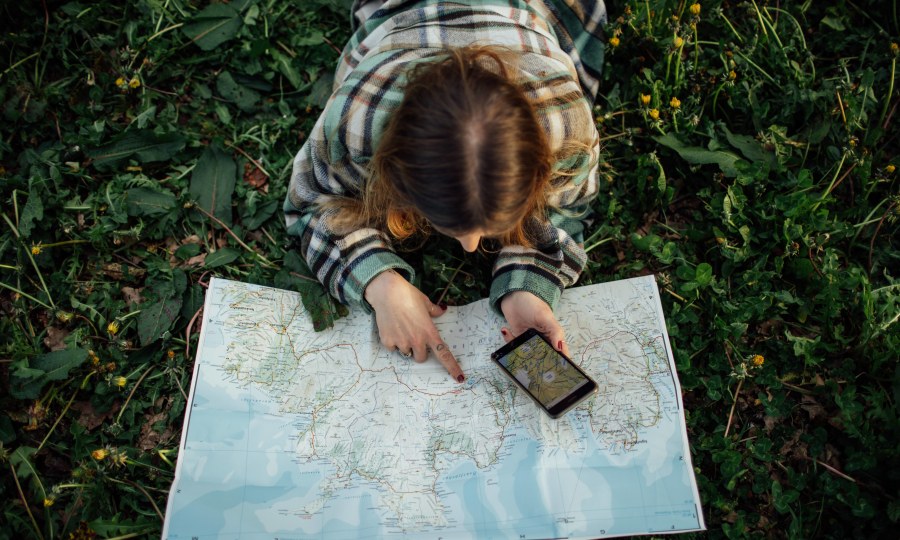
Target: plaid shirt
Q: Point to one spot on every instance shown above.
(562, 53)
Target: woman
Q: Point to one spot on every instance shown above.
(463, 119)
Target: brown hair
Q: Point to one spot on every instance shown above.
(464, 151)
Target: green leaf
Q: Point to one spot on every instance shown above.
(701, 156)
(322, 308)
(241, 95)
(149, 202)
(193, 300)
(157, 318)
(214, 25)
(750, 148)
(703, 274)
(143, 144)
(28, 379)
(286, 67)
(221, 257)
(20, 459)
(56, 365)
(212, 183)
(33, 211)
(187, 251)
(262, 213)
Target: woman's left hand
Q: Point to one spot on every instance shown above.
(524, 310)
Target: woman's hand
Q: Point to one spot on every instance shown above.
(403, 315)
(524, 310)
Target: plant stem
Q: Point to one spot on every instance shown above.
(238, 240)
(26, 295)
(130, 394)
(142, 490)
(31, 258)
(60, 417)
(37, 529)
(733, 405)
(890, 93)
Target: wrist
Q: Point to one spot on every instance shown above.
(379, 287)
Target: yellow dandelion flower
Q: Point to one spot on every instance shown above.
(895, 48)
(120, 82)
(645, 100)
(48, 502)
(95, 360)
(678, 42)
(614, 42)
(36, 249)
(890, 168)
(758, 360)
(120, 381)
(732, 75)
(695, 9)
(675, 103)
(170, 354)
(113, 328)
(99, 454)
(134, 83)
(654, 114)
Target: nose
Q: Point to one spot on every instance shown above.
(469, 242)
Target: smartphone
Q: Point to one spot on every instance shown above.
(553, 381)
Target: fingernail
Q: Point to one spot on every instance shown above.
(503, 331)
(460, 378)
(559, 345)
(443, 306)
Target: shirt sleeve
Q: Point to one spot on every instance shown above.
(344, 263)
(558, 257)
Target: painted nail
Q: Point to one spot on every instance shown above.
(443, 306)
(460, 378)
(503, 331)
(559, 345)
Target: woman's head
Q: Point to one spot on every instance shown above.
(464, 152)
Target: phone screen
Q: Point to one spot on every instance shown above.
(553, 380)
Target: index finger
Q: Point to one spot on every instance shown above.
(442, 351)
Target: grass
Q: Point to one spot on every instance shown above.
(750, 163)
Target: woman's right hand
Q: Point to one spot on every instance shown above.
(403, 315)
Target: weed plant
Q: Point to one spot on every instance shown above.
(750, 156)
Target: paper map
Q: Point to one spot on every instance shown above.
(290, 433)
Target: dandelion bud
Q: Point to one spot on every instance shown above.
(732, 75)
(170, 354)
(99, 454)
(654, 114)
(895, 49)
(48, 502)
(890, 168)
(36, 249)
(645, 99)
(120, 82)
(678, 42)
(614, 42)
(134, 83)
(64, 316)
(695, 9)
(675, 103)
(120, 381)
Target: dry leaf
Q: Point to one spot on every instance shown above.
(132, 296)
(254, 176)
(55, 337)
